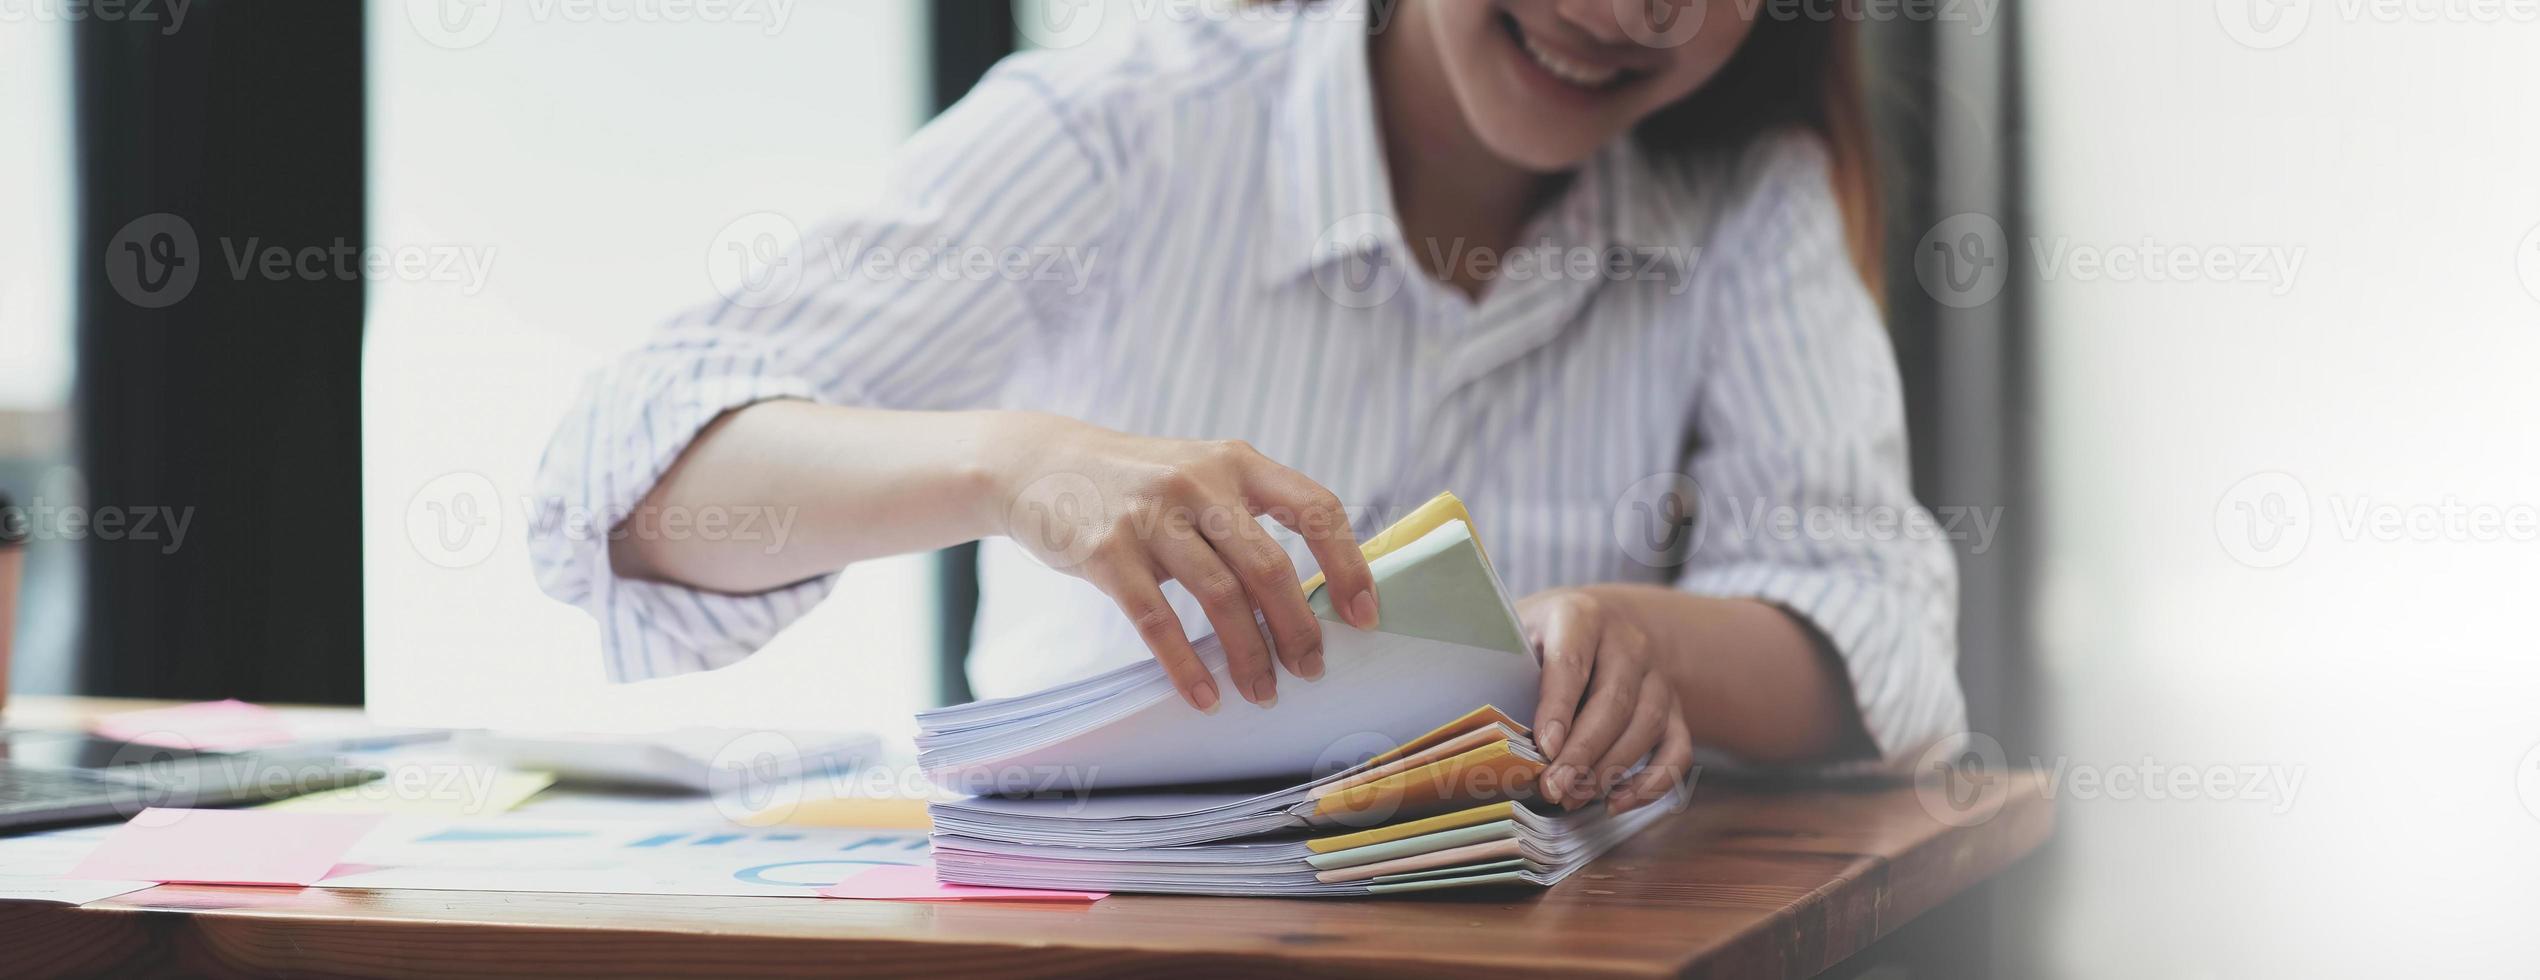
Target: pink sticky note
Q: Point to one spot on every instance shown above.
(211, 726)
(916, 883)
(227, 847)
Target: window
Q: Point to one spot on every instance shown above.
(561, 172)
(36, 244)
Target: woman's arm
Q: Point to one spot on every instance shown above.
(847, 484)
(1753, 680)
(1123, 512)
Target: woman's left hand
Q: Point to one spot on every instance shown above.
(1605, 704)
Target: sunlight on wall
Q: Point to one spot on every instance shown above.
(585, 167)
(2292, 494)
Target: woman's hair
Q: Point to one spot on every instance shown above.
(1793, 71)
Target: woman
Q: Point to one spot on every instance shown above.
(1317, 263)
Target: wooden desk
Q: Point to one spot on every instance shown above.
(1750, 882)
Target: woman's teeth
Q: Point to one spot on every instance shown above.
(1583, 76)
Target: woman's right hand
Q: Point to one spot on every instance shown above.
(1127, 513)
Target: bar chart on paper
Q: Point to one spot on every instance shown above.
(621, 857)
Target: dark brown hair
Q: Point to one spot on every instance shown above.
(1800, 71)
(1793, 71)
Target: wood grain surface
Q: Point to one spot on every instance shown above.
(1752, 881)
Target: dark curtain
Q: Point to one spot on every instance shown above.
(230, 396)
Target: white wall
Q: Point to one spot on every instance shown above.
(35, 198)
(2398, 675)
(588, 166)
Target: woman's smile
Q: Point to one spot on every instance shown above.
(1575, 70)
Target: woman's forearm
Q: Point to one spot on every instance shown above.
(1754, 681)
(796, 489)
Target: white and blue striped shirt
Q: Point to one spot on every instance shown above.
(1190, 237)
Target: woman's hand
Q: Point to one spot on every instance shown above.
(1605, 705)
(1127, 513)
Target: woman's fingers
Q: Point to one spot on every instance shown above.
(1665, 770)
(1649, 723)
(1614, 687)
(1134, 589)
(1270, 579)
(1569, 635)
(1293, 499)
(1189, 559)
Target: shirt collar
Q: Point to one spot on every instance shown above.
(1334, 197)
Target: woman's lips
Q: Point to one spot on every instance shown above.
(1579, 73)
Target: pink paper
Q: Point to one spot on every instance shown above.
(227, 847)
(916, 883)
(210, 726)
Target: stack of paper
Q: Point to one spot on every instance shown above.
(1382, 776)
(1406, 820)
(1449, 641)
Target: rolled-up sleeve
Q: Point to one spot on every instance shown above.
(923, 301)
(1800, 458)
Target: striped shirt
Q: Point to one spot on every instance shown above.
(1190, 236)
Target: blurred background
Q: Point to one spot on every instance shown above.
(2218, 319)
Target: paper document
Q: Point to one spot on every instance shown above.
(917, 883)
(226, 847)
(1129, 727)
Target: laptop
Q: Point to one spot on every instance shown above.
(52, 778)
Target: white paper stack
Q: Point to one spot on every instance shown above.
(1450, 641)
(1382, 777)
(1498, 844)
